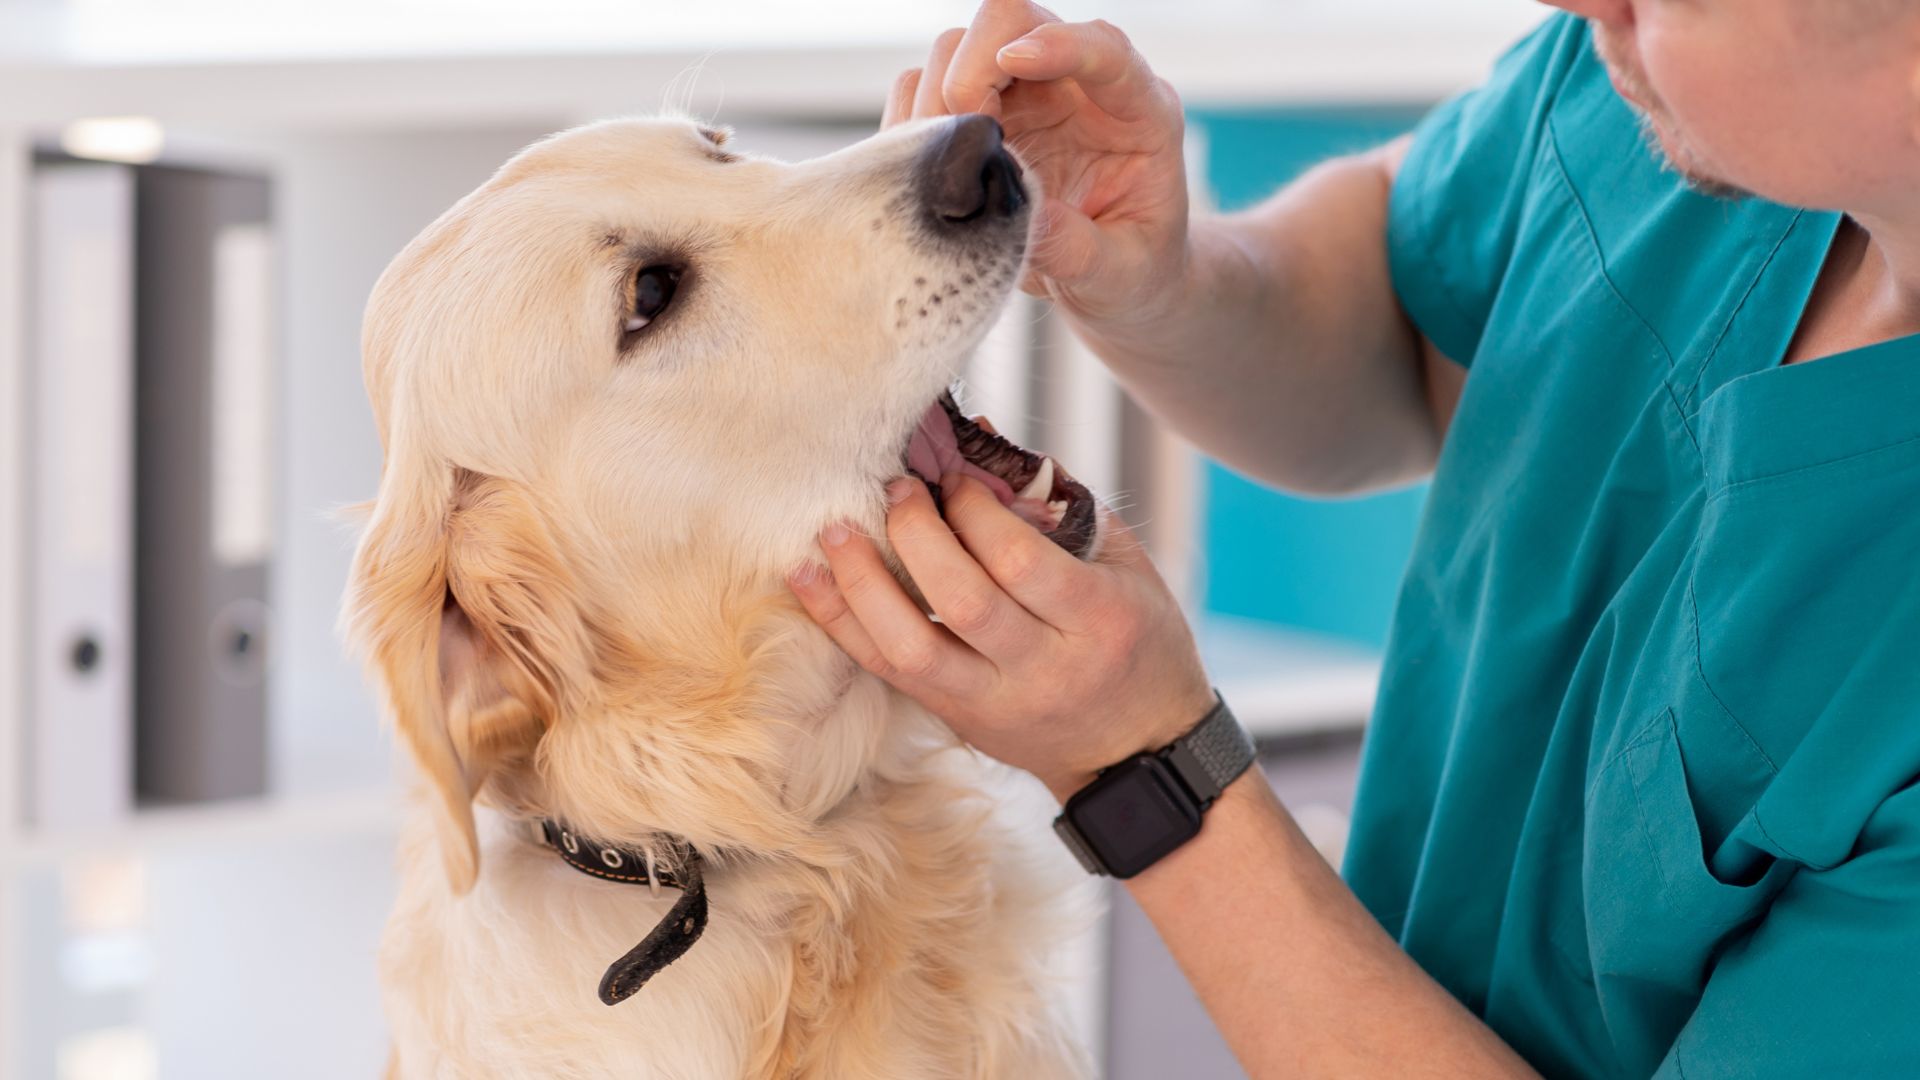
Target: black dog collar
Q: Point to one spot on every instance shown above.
(674, 935)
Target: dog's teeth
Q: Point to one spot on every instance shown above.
(636, 323)
(1041, 485)
(1058, 508)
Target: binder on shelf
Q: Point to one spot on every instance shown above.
(204, 405)
(79, 731)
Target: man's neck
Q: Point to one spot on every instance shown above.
(1868, 291)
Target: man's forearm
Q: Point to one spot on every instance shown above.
(1298, 976)
(1281, 349)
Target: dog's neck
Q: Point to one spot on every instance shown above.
(746, 738)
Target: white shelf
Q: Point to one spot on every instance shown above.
(288, 822)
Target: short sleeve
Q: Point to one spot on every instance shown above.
(1458, 198)
(1828, 983)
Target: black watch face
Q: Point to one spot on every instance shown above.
(1133, 814)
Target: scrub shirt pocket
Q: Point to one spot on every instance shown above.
(1657, 913)
(1807, 547)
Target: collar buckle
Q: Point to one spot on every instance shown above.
(677, 930)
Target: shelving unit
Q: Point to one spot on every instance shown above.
(401, 106)
(282, 821)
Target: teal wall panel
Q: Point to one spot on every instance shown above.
(1328, 566)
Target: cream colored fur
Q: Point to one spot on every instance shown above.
(570, 591)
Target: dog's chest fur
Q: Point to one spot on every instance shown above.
(921, 957)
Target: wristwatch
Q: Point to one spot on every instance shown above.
(1137, 811)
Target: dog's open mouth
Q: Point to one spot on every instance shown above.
(1031, 485)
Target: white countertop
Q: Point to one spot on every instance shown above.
(1284, 682)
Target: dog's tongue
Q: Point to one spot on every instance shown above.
(934, 452)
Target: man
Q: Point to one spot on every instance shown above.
(1639, 797)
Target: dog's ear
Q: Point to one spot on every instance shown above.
(468, 619)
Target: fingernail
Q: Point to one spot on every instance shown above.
(898, 490)
(1023, 49)
(804, 574)
(834, 535)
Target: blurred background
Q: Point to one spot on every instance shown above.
(197, 797)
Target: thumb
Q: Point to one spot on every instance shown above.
(1120, 545)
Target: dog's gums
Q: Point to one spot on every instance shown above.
(1031, 485)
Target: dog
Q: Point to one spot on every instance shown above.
(621, 387)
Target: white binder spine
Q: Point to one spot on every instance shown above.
(79, 720)
(14, 410)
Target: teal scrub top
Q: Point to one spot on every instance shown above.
(1640, 788)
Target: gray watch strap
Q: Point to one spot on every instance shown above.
(1213, 754)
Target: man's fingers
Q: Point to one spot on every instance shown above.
(967, 600)
(900, 98)
(1034, 570)
(974, 80)
(917, 655)
(926, 98)
(819, 594)
(1097, 56)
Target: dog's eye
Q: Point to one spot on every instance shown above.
(653, 289)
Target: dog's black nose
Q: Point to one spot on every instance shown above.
(967, 175)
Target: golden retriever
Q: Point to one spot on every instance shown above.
(621, 387)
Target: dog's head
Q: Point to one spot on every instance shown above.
(621, 387)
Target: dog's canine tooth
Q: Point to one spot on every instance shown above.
(1041, 485)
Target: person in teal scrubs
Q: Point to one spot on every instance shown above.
(1641, 796)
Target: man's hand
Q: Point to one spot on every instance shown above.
(1061, 668)
(1050, 664)
(1102, 134)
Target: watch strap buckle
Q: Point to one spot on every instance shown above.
(1077, 844)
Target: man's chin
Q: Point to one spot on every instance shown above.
(1682, 162)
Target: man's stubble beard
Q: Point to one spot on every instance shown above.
(1679, 159)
